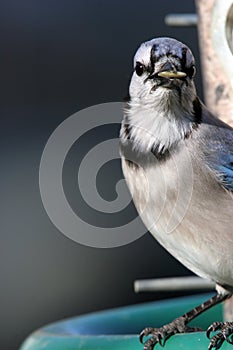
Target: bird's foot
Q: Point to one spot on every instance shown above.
(224, 329)
(159, 335)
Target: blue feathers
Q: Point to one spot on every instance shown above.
(218, 148)
(225, 168)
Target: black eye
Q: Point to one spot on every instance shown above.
(139, 68)
(191, 71)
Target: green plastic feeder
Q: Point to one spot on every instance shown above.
(118, 329)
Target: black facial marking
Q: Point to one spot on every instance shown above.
(127, 130)
(178, 89)
(197, 111)
(153, 58)
(160, 155)
(184, 58)
(191, 71)
(131, 164)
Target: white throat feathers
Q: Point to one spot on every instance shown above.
(160, 120)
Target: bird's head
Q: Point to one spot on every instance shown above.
(163, 107)
(163, 68)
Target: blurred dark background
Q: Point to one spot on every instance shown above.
(59, 57)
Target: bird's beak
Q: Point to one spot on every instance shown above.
(172, 74)
(169, 71)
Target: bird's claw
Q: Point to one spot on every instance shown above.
(225, 331)
(159, 335)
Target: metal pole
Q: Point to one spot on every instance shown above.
(172, 284)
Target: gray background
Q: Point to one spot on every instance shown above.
(59, 57)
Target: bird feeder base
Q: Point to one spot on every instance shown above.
(118, 329)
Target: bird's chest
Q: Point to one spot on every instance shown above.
(162, 193)
(176, 201)
(158, 192)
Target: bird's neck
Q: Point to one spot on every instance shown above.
(160, 126)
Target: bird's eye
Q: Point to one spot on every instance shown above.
(191, 71)
(139, 68)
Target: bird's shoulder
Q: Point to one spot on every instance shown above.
(216, 142)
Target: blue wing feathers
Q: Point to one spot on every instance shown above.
(225, 168)
(218, 144)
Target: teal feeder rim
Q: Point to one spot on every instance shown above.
(118, 329)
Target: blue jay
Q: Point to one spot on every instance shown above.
(177, 159)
